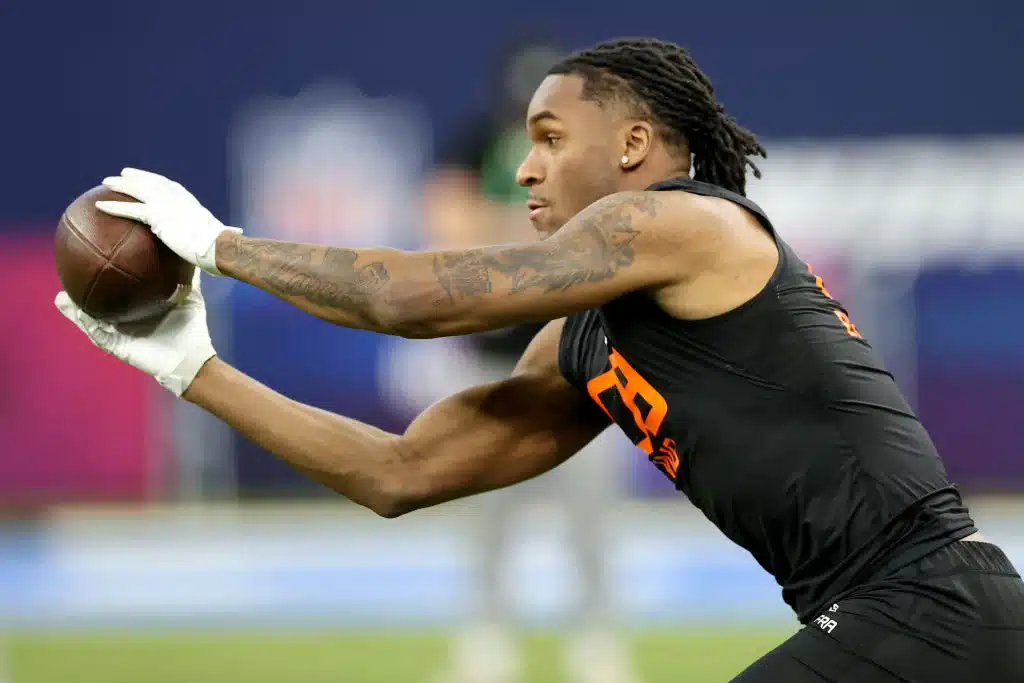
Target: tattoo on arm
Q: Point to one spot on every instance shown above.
(325, 276)
(373, 289)
(601, 246)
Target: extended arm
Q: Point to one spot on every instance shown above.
(483, 438)
(698, 256)
(615, 246)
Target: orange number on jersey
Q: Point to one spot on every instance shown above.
(851, 329)
(634, 386)
(667, 458)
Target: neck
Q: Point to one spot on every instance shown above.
(642, 178)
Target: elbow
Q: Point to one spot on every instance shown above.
(386, 494)
(419, 330)
(393, 506)
(391, 510)
(391, 488)
(406, 486)
(412, 322)
(394, 497)
(422, 312)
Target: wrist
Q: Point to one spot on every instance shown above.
(224, 243)
(205, 380)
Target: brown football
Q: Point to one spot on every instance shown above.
(114, 268)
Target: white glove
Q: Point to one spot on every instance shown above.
(171, 348)
(172, 213)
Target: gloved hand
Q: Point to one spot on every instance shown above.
(171, 348)
(172, 213)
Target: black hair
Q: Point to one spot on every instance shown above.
(661, 81)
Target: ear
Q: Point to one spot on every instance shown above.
(637, 141)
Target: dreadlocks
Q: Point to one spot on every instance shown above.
(661, 80)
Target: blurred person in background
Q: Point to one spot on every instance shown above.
(472, 199)
(679, 315)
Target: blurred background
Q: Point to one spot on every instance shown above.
(141, 541)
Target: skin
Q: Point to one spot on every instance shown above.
(602, 236)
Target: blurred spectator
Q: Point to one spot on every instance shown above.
(472, 199)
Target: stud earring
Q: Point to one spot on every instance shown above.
(625, 160)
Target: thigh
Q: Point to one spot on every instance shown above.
(782, 664)
(908, 634)
(812, 656)
(995, 651)
(947, 628)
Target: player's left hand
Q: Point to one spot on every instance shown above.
(172, 213)
(171, 348)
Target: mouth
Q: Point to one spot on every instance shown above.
(535, 207)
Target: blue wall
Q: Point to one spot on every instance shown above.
(91, 87)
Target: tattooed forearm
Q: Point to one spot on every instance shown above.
(441, 293)
(327, 277)
(599, 247)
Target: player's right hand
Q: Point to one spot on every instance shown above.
(171, 349)
(172, 212)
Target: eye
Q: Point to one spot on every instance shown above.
(551, 139)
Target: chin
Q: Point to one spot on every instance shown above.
(547, 228)
(545, 231)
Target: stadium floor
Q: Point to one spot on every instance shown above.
(711, 655)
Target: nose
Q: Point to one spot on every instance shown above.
(530, 172)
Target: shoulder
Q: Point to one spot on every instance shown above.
(697, 255)
(674, 231)
(672, 215)
(720, 252)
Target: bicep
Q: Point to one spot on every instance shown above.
(498, 434)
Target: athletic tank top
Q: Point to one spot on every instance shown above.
(778, 422)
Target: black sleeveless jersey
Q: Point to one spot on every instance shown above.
(778, 422)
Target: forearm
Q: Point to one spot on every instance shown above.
(486, 437)
(357, 460)
(407, 294)
(347, 287)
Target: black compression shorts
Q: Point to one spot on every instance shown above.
(955, 616)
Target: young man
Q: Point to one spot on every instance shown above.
(678, 314)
